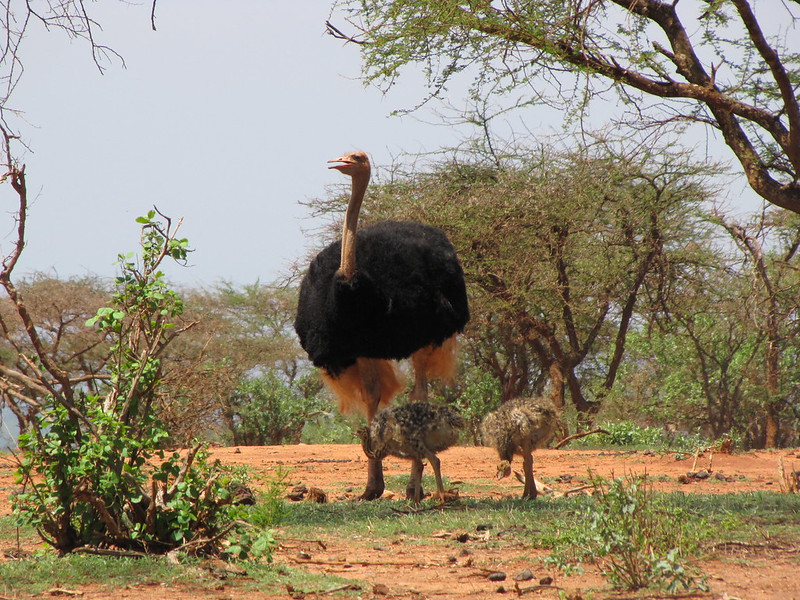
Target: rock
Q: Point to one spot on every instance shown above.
(496, 576)
(546, 581)
(524, 575)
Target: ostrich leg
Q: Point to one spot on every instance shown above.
(530, 492)
(420, 361)
(414, 486)
(415, 483)
(371, 390)
(437, 471)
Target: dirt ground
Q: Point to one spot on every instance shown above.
(457, 564)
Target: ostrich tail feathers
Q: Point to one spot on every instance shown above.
(348, 386)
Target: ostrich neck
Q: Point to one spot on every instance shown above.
(347, 266)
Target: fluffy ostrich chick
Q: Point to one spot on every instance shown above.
(416, 430)
(518, 427)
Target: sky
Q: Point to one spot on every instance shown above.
(224, 117)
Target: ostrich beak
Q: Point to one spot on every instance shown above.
(341, 159)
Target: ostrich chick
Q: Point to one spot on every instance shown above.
(517, 427)
(415, 430)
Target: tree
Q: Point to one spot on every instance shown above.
(242, 333)
(557, 249)
(729, 65)
(774, 273)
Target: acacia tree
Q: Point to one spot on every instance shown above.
(556, 249)
(774, 273)
(730, 65)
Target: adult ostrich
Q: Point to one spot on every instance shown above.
(385, 292)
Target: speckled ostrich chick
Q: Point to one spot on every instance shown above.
(416, 430)
(518, 427)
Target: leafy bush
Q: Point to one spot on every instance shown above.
(626, 434)
(270, 411)
(93, 469)
(636, 538)
(480, 395)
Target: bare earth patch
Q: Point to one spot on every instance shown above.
(454, 566)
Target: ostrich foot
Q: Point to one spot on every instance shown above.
(375, 484)
(410, 492)
(446, 496)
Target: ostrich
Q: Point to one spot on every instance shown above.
(517, 427)
(415, 430)
(405, 297)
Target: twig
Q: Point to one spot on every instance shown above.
(320, 543)
(694, 463)
(578, 489)
(347, 586)
(153, 16)
(64, 592)
(339, 35)
(210, 540)
(581, 434)
(184, 470)
(109, 552)
(760, 546)
(534, 588)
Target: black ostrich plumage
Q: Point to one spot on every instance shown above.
(408, 292)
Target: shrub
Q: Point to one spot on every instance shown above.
(270, 411)
(637, 540)
(94, 472)
(626, 434)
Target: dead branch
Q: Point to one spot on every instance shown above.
(185, 469)
(339, 35)
(575, 436)
(109, 552)
(83, 493)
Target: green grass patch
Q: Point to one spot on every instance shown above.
(698, 524)
(38, 575)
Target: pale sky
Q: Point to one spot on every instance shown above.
(225, 116)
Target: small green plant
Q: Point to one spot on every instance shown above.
(94, 471)
(638, 541)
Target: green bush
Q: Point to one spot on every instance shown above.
(94, 472)
(270, 411)
(626, 434)
(638, 540)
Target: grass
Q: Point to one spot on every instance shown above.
(38, 575)
(546, 525)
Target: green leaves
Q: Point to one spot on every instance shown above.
(637, 538)
(93, 469)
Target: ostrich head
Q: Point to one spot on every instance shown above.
(503, 469)
(353, 164)
(356, 165)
